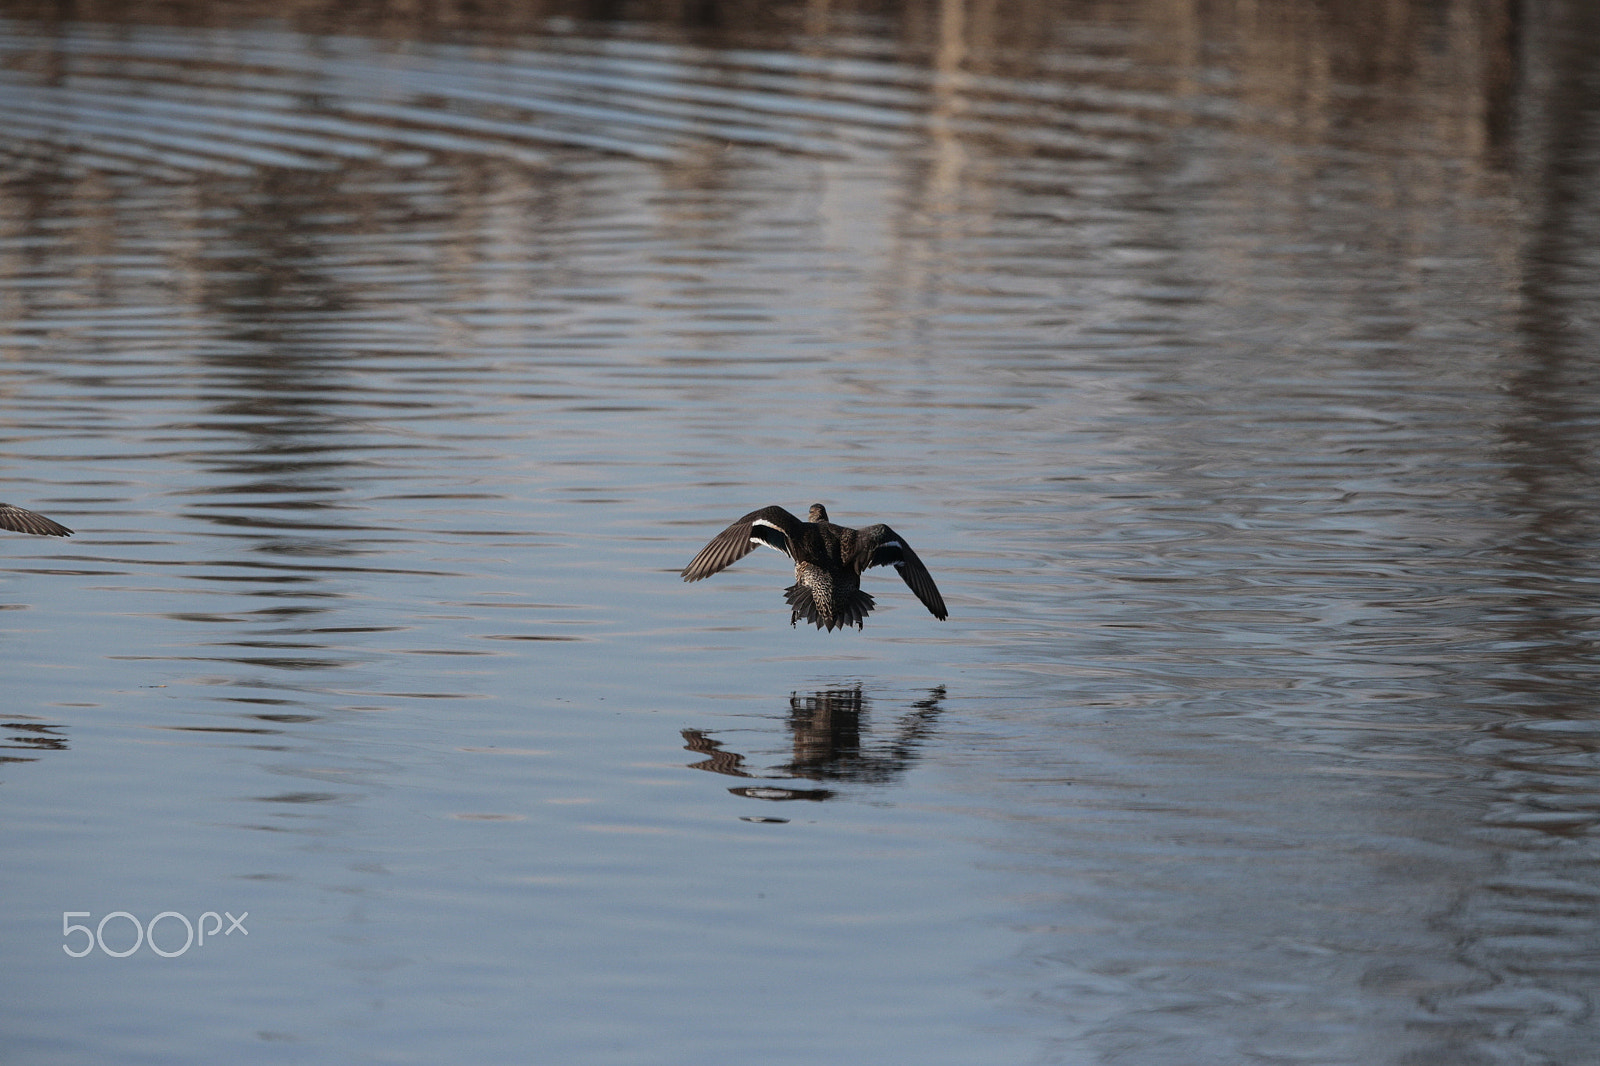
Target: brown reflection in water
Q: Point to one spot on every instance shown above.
(1401, 74)
(719, 761)
(731, 763)
(1549, 446)
(1530, 931)
(1292, 55)
(832, 741)
(275, 387)
(1547, 612)
(29, 738)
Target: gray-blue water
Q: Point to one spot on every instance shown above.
(1234, 377)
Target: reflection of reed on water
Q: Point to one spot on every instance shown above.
(150, 97)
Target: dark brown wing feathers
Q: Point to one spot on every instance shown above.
(882, 546)
(22, 520)
(769, 525)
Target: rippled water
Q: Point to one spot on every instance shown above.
(1234, 378)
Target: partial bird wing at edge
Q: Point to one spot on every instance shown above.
(22, 520)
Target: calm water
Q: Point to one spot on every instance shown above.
(1234, 376)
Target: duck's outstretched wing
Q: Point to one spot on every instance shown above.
(882, 546)
(22, 520)
(772, 526)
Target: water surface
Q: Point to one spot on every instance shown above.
(1233, 377)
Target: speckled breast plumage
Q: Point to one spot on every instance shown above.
(829, 599)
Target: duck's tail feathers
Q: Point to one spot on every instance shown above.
(852, 610)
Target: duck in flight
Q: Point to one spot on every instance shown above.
(22, 520)
(828, 561)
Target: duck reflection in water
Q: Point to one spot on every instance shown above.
(827, 735)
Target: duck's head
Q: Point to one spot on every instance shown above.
(818, 513)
